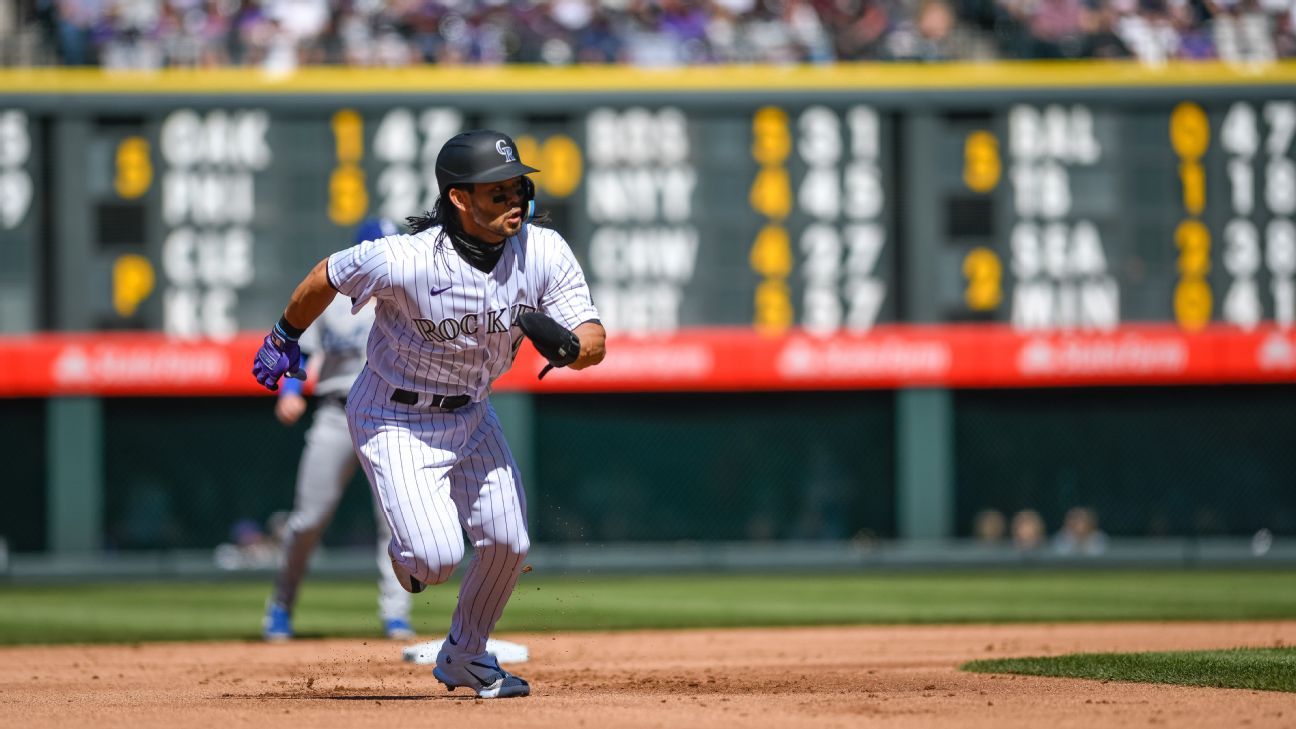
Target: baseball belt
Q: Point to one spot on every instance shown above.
(445, 402)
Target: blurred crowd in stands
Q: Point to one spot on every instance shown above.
(1026, 532)
(284, 34)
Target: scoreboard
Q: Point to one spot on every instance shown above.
(740, 228)
(20, 147)
(1087, 216)
(769, 217)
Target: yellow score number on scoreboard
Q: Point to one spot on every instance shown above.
(348, 198)
(771, 197)
(1190, 138)
(981, 266)
(981, 164)
(984, 274)
(134, 171)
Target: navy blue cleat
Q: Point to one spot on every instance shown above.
(481, 675)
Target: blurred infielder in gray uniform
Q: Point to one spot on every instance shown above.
(335, 346)
(455, 298)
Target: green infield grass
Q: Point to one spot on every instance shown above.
(125, 612)
(1265, 669)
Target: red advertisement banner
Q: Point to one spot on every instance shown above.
(715, 359)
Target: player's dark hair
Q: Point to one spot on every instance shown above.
(442, 214)
(542, 217)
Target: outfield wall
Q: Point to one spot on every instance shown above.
(1162, 462)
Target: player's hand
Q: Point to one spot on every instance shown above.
(279, 355)
(290, 408)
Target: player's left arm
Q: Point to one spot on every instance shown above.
(593, 345)
(566, 298)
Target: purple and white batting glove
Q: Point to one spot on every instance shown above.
(279, 355)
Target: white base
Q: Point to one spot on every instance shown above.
(505, 652)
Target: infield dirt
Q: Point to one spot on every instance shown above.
(788, 678)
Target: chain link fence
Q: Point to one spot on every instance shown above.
(755, 466)
(187, 474)
(22, 450)
(1160, 462)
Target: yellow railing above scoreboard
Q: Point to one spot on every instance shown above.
(605, 79)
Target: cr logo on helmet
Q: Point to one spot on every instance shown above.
(503, 148)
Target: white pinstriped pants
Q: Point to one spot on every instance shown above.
(437, 475)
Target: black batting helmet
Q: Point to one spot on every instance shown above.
(480, 155)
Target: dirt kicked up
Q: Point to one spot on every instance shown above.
(791, 678)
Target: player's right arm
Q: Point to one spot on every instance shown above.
(280, 353)
(290, 406)
(360, 272)
(311, 297)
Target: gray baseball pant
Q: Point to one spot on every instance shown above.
(327, 463)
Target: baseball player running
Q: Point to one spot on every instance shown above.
(454, 299)
(336, 347)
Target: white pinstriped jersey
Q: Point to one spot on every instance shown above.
(446, 328)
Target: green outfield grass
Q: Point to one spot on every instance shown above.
(1265, 669)
(121, 612)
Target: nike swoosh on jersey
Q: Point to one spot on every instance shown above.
(437, 292)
